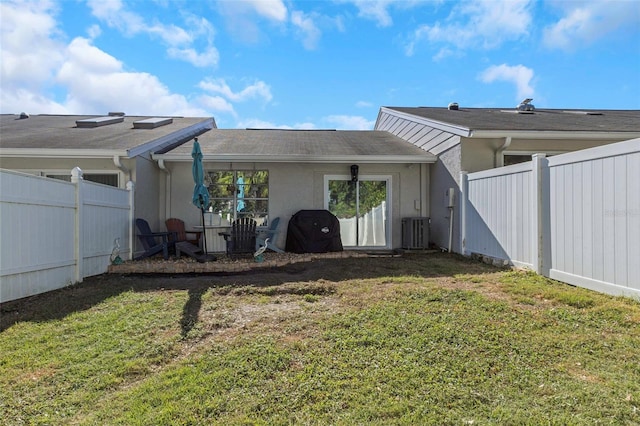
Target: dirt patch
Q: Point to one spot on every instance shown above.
(317, 279)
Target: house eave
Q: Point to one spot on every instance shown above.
(440, 125)
(544, 135)
(362, 159)
(172, 140)
(59, 153)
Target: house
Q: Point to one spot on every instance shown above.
(111, 149)
(405, 170)
(270, 173)
(475, 139)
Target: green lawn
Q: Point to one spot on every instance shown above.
(420, 339)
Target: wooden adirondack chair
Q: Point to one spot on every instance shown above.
(241, 240)
(177, 225)
(153, 242)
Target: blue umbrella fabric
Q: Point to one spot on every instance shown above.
(240, 183)
(200, 192)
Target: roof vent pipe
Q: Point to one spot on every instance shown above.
(453, 106)
(526, 106)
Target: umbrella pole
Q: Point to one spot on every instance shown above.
(204, 233)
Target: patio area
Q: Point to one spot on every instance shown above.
(187, 265)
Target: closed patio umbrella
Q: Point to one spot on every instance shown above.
(200, 192)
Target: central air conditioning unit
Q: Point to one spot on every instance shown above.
(415, 233)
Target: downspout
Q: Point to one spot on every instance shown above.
(167, 190)
(123, 169)
(498, 160)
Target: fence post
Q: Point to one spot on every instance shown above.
(464, 194)
(77, 179)
(539, 166)
(131, 189)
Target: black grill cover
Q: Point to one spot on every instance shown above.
(313, 231)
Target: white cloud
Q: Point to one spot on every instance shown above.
(271, 9)
(216, 104)
(584, 22)
(364, 104)
(180, 42)
(483, 23)
(30, 43)
(209, 57)
(378, 10)
(220, 86)
(94, 31)
(255, 123)
(307, 28)
(241, 17)
(350, 122)
(519, 75)
(31, 47)
(104, 86)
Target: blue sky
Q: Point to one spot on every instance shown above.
(314, 64)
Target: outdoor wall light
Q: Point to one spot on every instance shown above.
(354, 173)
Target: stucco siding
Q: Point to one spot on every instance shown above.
(294, 187)
(444, 175)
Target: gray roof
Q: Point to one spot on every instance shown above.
(305, 145)
(61, 132)
(541, 120)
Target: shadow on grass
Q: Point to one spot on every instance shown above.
(94, 290)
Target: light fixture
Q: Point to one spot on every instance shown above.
(354, 173)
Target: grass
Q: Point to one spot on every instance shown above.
(432, 339)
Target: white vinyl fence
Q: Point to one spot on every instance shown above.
(55, 233)
(371, 228)
(573, 217)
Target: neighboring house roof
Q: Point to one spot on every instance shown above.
(497, 122)
(274, 145)
(92, 136)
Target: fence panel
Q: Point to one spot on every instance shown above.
(594, 198)
(573, 217)
(37, 219)
(105, 218)
(46, 225)
(498, 213)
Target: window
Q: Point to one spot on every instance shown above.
(514, 157)
(110, 179)
(240, 193)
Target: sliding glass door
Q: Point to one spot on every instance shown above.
(361, 207)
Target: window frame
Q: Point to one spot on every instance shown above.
(260, 215)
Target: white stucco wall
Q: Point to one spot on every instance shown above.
(300, 186)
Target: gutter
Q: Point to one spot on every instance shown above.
(541, 134)
(498, 158)
(427, 158)
(119, 165)
(167, 190)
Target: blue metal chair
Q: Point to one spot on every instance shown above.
(261, 239)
